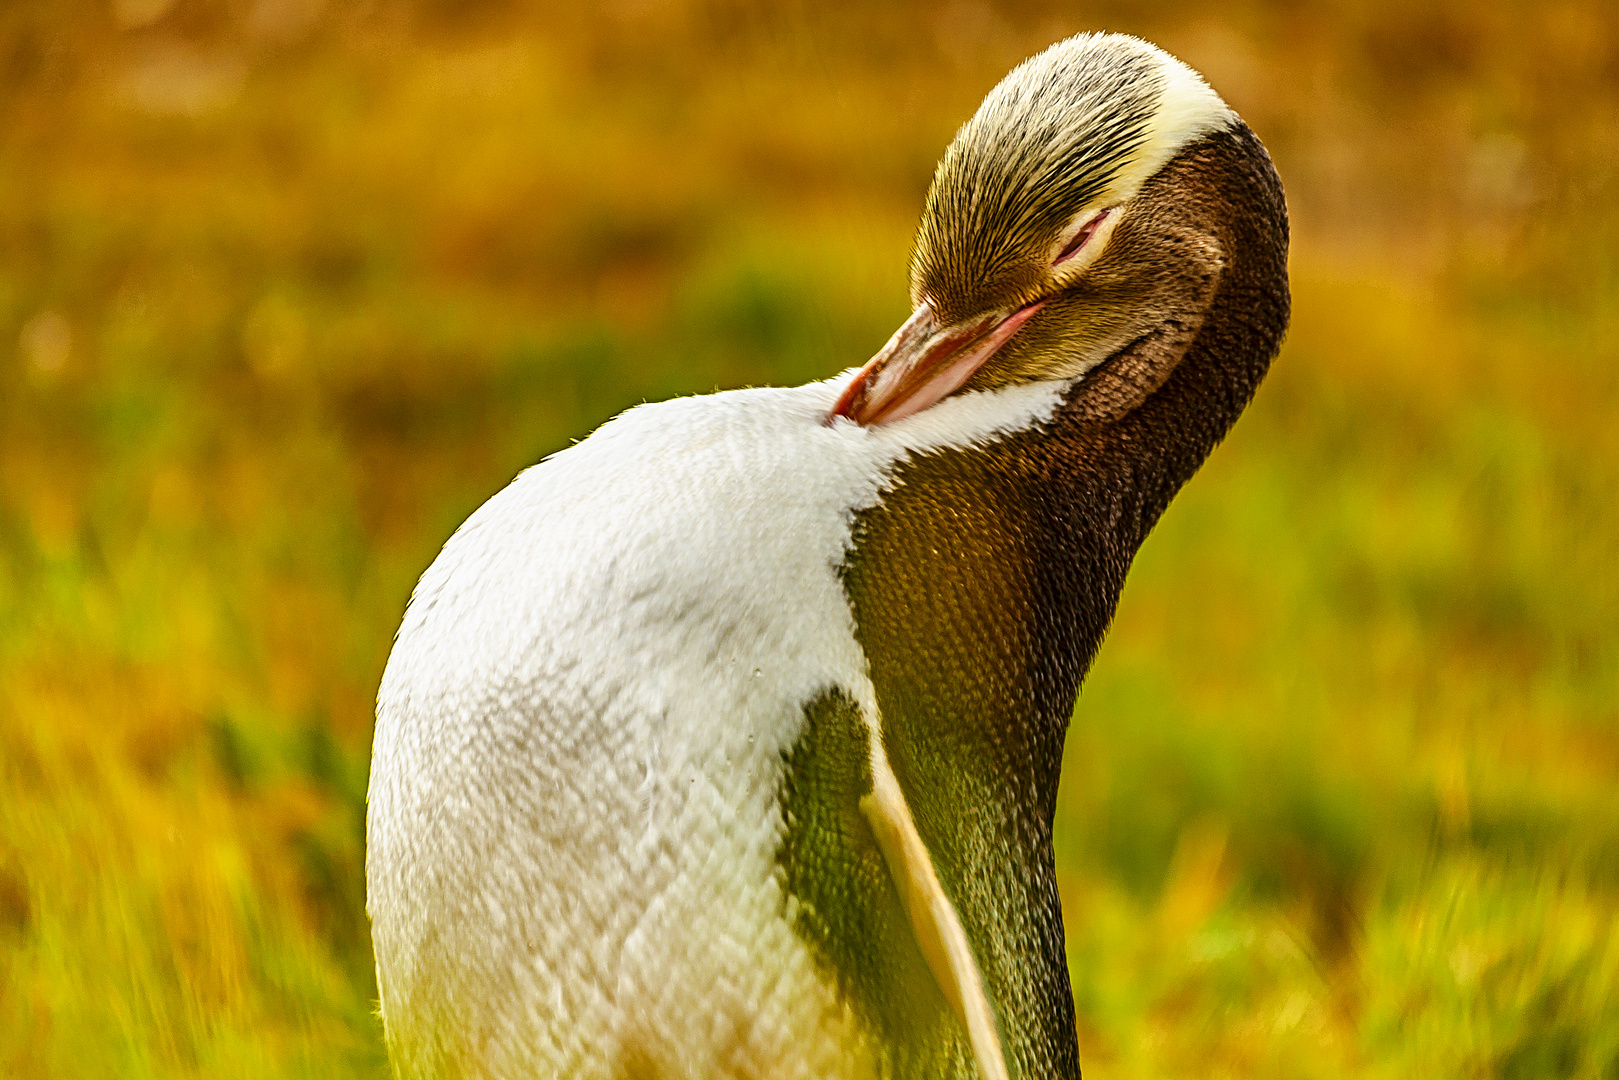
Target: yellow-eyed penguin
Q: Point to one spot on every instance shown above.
(725, 743)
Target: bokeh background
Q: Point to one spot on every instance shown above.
(288, 287)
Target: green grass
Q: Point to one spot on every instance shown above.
(1342, 791)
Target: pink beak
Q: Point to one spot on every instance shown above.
(924, 363)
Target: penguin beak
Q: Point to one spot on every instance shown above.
(924, 363)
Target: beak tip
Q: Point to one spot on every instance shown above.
(860, 403)
(923, 363)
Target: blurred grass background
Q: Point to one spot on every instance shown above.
(287, 288)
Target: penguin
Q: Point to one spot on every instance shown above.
(725, 742)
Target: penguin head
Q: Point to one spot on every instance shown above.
(1053, 235)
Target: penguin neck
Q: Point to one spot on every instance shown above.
(1130, 466)
(977, 622)
(983, 582)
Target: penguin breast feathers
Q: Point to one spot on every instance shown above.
(583, 729)
(679, 540)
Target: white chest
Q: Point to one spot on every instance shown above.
(574, 809)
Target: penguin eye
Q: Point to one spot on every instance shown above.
(1082, 237)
